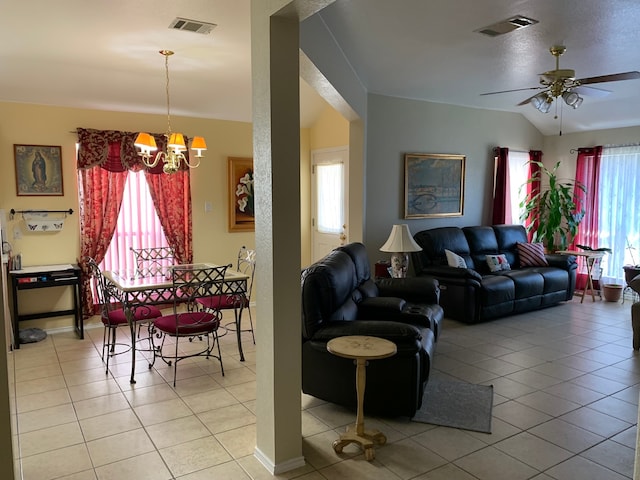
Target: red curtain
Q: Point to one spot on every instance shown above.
(533, 188)
(587, 173)
(500, 186)
(115, 154)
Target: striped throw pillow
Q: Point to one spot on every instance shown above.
(531, 255)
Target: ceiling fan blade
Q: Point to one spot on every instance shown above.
(527, 100)
(516, 90)
(616, 77)
(591, 91)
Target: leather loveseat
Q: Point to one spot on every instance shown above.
(476, 293)
(340, 298)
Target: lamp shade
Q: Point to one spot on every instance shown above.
(400, 240)
(176, 142)
(198, 143)
(145, 141)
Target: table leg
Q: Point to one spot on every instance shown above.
(238, 317)
(357, 433)
(132, 328)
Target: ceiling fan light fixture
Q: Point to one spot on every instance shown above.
(542, 102)
(572, 99)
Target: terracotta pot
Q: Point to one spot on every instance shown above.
(611, 292)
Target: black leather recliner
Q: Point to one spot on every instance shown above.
(339, 298)
(474, 294)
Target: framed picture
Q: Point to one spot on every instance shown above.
(241, 197)
(433, 185)
(38, 170)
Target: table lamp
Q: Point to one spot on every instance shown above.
(399, 244)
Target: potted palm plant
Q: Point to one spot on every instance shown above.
(553, 213)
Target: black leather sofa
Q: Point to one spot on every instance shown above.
(475, 293)
(340, 298)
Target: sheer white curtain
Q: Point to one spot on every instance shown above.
(619, 212)
(330, 197)
(518, 173)
(138, 225)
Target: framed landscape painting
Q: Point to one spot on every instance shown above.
(433, 185)
(38, 170)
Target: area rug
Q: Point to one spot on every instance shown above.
(457, 404)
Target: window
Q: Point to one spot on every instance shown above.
(330, 197)
(518, 174)
(138, 225)
(618, 210)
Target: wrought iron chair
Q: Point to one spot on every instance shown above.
(113, 316)
(153, 261)
(190, 282)
(237, 301)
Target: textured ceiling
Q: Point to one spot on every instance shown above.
(103, 55)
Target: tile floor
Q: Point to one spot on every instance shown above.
(566, 384)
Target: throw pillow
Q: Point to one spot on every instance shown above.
(531, 255)
(498, 263)
(454, 260)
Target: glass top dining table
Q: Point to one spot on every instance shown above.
(133, 290)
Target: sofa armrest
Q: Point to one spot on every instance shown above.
(423, 289)
(565, 262)
(380, 308)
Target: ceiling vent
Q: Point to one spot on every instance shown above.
(192, 25)
(506, 26)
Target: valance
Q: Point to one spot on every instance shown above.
(115, 151)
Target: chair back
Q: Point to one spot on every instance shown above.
(154, 261)
(247, 265)
(191, 282)
(102, 289)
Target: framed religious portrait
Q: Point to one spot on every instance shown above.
(241, 195)
(433, 185)
(38, 170)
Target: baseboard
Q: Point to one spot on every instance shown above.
(280, 468)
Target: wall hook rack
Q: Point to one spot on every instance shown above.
(14, 211)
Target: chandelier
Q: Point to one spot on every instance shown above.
(173, 155)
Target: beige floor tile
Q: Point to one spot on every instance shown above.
(109, 424)
(491, 464)
(43, 371)
(46, 417)
(596, 422)
(408, 458)
(177, 431)
(584, 469)
(358, 469)
(566, 435)
(151, 394)
(162, 411)
(519, 415)
(148, 466)
(239, 442)
(56, 463)
(195, 455)
(106, 386)
(93, 407)
(86, 475)
(318, 451)
(40, 385)
(226, 471)
(227, 418)
(83, 377)
(612, 455)
(36, 401)
(533, 451)
(119, 447)
(447, 472)
(209, 400)
(449, 443)
(52, 438)
(547, 403)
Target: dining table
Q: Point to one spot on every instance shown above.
(133, 290)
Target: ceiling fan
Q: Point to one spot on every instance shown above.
(562, 83)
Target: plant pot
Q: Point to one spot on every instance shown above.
(611, 292)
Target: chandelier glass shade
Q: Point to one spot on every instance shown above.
(173, 156)
(542, 101)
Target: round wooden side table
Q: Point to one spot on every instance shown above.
(361, 349)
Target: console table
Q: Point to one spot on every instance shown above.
(361, 349)
(46, 276)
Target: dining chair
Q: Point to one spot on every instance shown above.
(246, 264)
(153, 261)
(113, 316)
(188, 320)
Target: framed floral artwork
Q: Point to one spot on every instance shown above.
(38, 170)
(241, 197)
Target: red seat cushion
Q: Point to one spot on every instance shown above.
(140, 313)
(191, 323)
(222, 302)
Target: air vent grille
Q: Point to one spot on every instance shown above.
(195, 26)
(506, 26)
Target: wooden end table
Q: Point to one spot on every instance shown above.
(590, 257)
(361, 349)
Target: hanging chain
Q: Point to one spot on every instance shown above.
(167, 54)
